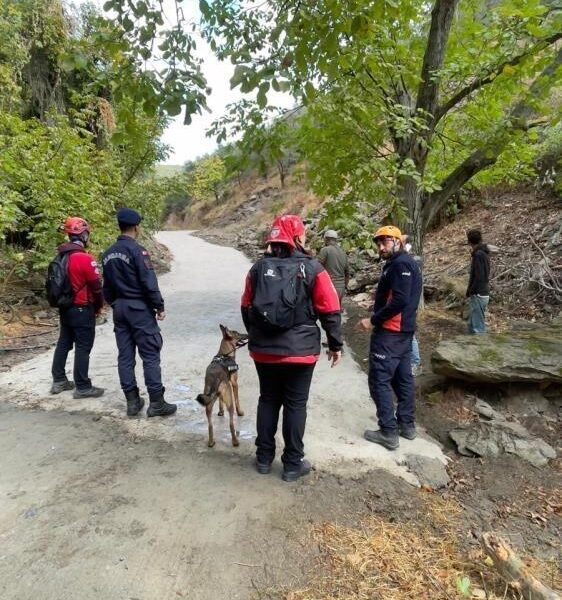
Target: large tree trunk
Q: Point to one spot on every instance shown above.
(412, 198)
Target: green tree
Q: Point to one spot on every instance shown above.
(160, 48)
(207, 178)
(71, 141)
(406, 101)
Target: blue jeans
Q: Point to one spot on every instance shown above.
(477, 314)
(390, 371)
(416, 358)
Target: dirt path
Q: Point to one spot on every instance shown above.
(96, 506)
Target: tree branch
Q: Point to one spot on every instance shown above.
(518, 119)
(441, 21)
(482, 81)
(476, 162)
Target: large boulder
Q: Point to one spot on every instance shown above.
(527, 354)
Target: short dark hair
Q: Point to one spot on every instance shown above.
(474, 236)
(123, 227)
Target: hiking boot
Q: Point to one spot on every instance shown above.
(408, 431)
(158, 407)
(293, 474)
(61, 386)
(91, 392)
(388, 439)
(263, 468)
(134, 402)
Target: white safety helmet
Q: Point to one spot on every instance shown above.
(330, 233)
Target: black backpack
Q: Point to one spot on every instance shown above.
(282, 294)
(57, 285)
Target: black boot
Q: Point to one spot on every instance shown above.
(388, 439)
(134, 402)
(61, 386)
(293, 473)
(408, 431)
(91, 392)
(158, 407)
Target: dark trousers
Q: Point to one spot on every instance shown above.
(135, 329)
(78, 329)
(284, 386)
(390, 370)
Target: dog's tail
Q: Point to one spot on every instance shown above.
(204, 399)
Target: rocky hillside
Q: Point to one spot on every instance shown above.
(523, 225)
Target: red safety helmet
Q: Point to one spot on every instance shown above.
(285, 229)
(296, 224)
(75, 226)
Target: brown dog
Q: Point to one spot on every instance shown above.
(221, 381)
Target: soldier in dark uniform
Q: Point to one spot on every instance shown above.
(131, 288)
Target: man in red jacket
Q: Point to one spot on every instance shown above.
(78, 322)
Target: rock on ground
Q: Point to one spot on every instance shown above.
(430, 472)
(497, 436)
(533, 355)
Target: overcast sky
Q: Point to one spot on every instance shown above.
(188, 142)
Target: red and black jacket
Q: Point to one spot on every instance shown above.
(398, 295)
(84, 276)
(299, 344)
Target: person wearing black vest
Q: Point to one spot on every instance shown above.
(286, 292)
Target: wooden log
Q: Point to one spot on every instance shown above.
(514, 571)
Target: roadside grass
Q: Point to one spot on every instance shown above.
(430, 557)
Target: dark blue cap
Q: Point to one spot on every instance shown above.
(128, 216)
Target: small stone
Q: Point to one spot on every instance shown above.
(430, 472)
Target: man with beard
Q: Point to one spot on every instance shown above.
(393, 324)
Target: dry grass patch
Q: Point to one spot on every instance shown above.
(423, 559)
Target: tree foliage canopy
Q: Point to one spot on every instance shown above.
(75, 137)
(405, 101)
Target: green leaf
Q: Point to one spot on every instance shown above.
(240, 74)
(173, 106)
(463, 586)
(309, 91)
(204, 8)
(356, 24)
(262, 94)
(128, 24)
